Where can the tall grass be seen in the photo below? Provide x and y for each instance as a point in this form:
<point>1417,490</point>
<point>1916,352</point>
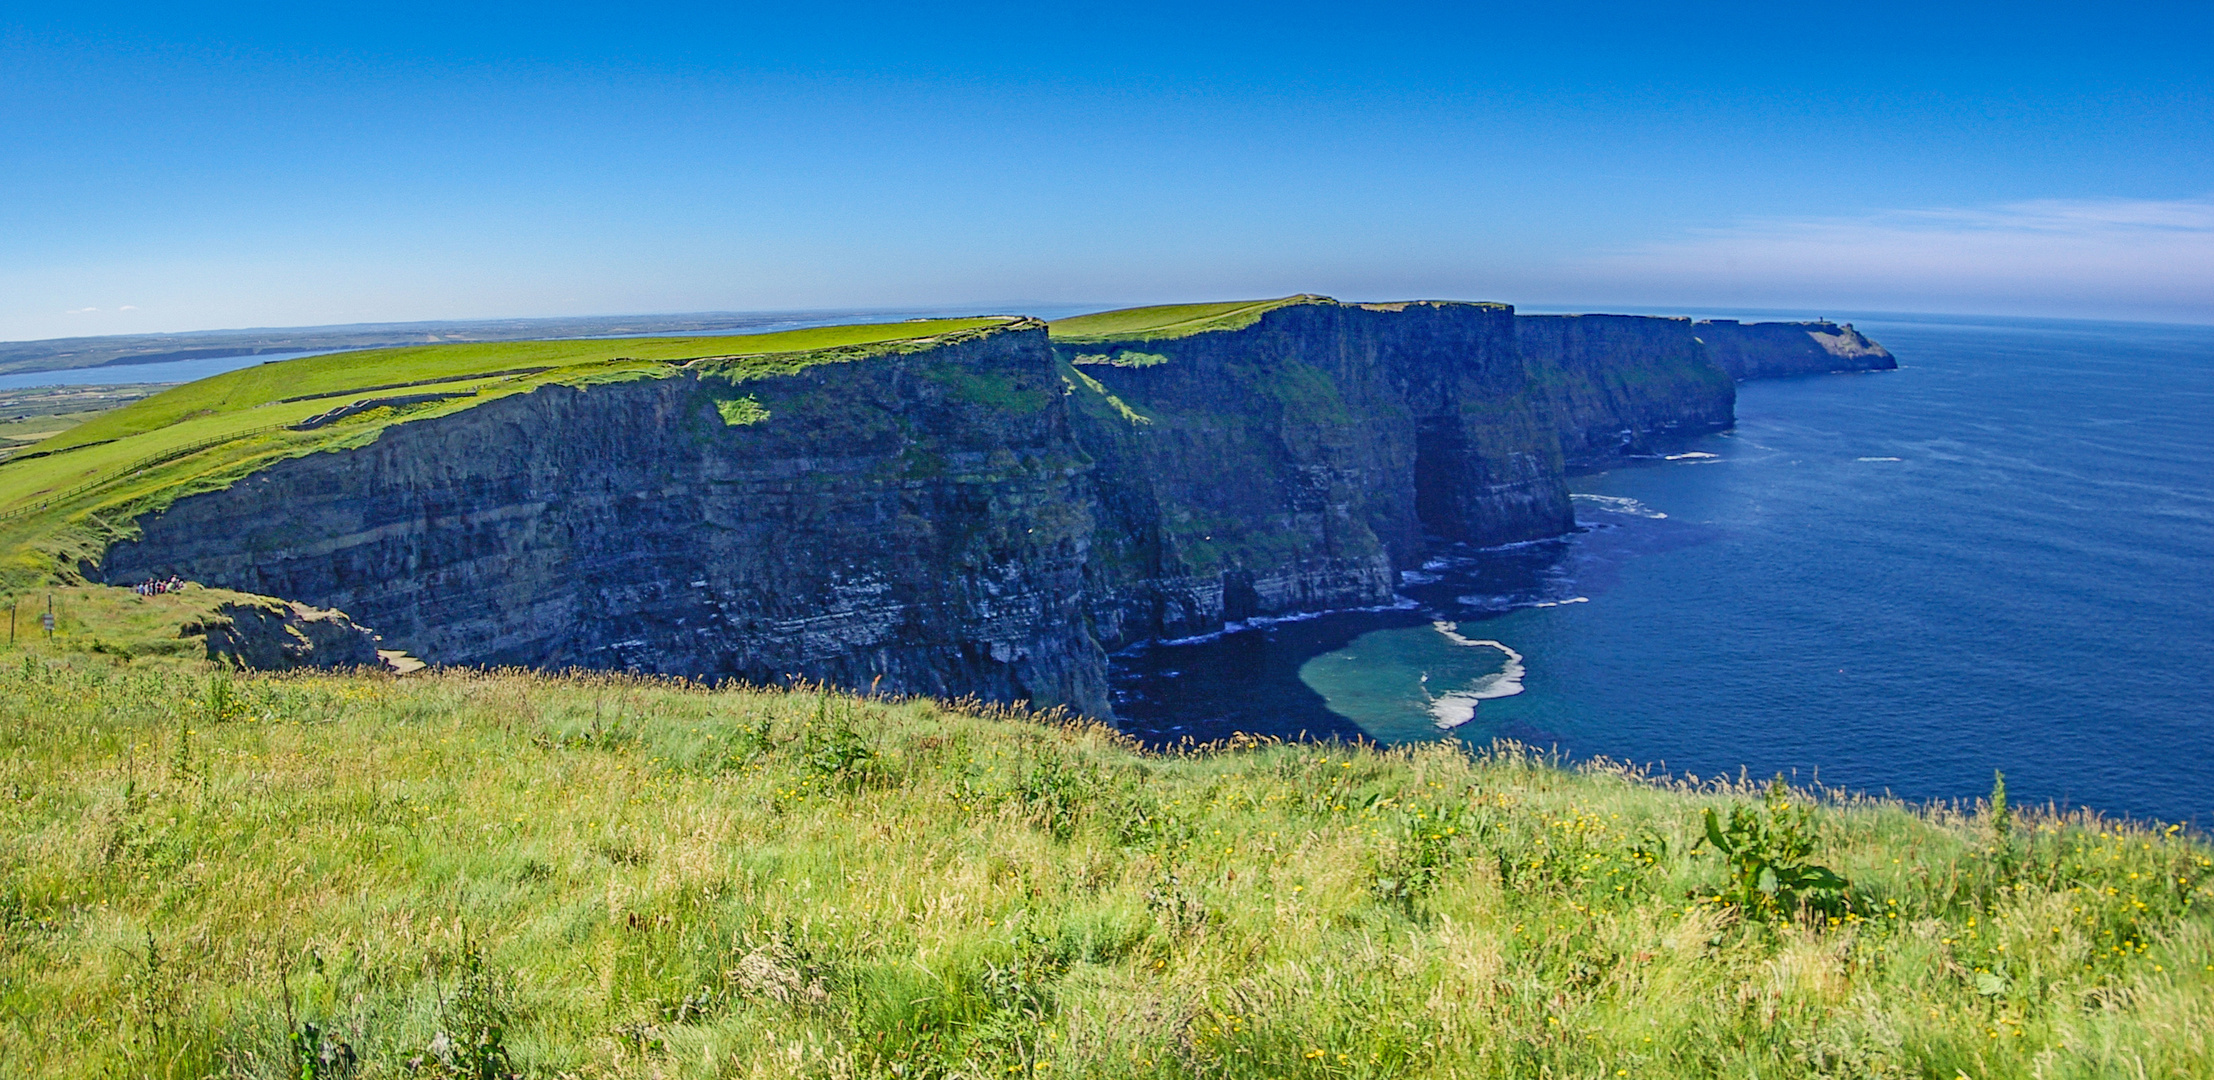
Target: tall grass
<point>501,873</point>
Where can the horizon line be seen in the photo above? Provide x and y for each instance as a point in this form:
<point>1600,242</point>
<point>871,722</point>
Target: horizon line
<point>1020,309</point>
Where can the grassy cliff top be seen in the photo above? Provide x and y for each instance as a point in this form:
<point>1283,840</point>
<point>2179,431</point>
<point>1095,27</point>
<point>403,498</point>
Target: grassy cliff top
<point>489,874</point>
<point>210,432</point>
<point>338,375</point>
<point>1171,320</point>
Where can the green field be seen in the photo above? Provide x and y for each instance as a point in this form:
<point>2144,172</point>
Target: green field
<point>56,499</point>
<point>1168,321</point>
<point>29,417</point>
<point>492,874</point>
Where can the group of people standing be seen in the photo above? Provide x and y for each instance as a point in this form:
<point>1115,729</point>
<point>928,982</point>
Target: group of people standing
<point>156,586</point>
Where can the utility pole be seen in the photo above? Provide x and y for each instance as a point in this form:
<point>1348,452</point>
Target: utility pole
<point>12,602</point>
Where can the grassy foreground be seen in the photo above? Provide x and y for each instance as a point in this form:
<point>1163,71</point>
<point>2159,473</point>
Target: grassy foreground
<point>490,874</point>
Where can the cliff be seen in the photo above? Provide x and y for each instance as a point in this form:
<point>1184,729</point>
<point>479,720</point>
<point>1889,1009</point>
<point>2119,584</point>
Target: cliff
<point>914,520</point>
<point>972,507</point>
<point>1296,458</point>
<point>266,634</point>
<point>1768,350</point>
<point>1614,384</point>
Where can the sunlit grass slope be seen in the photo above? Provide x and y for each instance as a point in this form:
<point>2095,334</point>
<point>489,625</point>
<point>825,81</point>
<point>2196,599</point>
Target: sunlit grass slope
<point>209,433</point>
<point>1169,320</point>
<point>494,874</point>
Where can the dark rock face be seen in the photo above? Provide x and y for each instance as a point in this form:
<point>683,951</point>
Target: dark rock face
<point>918,522</point>
<point>1297,464</point>
<point>1768,350</point>
<point>280,635</point>
<point>1615,383</point>
<point>984,516</point>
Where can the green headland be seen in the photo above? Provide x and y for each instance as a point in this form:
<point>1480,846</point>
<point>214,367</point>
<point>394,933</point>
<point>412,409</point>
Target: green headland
<point>62,497</point>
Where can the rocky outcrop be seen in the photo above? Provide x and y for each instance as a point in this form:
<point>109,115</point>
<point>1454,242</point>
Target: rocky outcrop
<point>1617,385</point>
<point>1298,463</point>
<point>276,635</point>
<point>1771,349</point>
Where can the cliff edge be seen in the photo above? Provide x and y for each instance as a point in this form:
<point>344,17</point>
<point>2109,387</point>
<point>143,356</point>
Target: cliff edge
<point>960,507</point>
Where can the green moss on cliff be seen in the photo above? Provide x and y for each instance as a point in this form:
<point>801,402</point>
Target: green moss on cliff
<point>738,412</point>
<point>1304,391</point>
<point>1092,396</point>
<point>992,389</point>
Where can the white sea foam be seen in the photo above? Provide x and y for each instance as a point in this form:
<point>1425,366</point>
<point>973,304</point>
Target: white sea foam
<point>1417,577</point>
<point>1879,459</point>
<point>1459,707</point>
<point>1557,603</point>
<point>1260,622</point>
<point>1618,504</point>
<point>1202,639</point>
<point>1452,710</point>
<point>1521,543</point>
<point>1694,456</point>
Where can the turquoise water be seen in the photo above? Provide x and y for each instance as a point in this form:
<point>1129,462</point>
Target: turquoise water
<point>2000,556</point>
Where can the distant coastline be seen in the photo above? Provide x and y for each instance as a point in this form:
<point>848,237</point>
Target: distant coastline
<point>69,354</point>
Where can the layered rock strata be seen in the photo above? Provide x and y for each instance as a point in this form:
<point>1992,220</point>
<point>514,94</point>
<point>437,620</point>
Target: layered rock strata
<point>1616,385</point>
<point>986,513</point>
<point>1298,463</point>
<point>918,522</point>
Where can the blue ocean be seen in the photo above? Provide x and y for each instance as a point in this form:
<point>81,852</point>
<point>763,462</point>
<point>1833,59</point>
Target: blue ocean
<point>1999,557</point>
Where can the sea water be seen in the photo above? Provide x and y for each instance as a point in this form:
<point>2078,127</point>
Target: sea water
<point>1999,557</point>
<point>173,371</point>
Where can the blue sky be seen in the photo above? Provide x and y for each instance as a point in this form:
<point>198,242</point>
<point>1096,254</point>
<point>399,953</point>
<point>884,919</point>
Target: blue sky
<point>185,167</point>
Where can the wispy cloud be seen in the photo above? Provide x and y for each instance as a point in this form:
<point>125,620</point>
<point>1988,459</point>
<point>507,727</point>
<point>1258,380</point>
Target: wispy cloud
<point>83,311</point>
<point>2147,256</point>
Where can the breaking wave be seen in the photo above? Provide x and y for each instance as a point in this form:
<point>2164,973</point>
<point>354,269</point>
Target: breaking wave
<point>1618,504</point>
<point>1459,707</point>
<point>1260,622</point>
